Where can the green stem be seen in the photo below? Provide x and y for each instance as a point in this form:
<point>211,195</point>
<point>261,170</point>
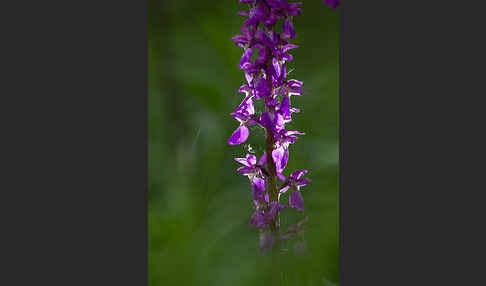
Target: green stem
<point>273,196</point>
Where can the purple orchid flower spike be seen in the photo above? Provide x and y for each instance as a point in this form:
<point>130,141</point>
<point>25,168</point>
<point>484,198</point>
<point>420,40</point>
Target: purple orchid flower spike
<point>266,78</point>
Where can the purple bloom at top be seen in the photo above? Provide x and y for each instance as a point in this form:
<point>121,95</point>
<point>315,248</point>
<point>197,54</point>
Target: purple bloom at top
<point>331,3</point>
<point>246,39</point>
<point>256,15</point>
<point>281,8</point>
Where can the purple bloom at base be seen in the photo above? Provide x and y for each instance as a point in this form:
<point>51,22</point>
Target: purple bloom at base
<point>300,248</point>
<point>298,226</point>
<point>258,189</point>
<point>296,201</point>
<point>262,219</point>
<point>274,208</point>
<point>267,240</point>
<point>331,3</point>
<point>258,219</point>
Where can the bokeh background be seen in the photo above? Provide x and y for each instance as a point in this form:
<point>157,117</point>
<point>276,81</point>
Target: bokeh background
<point>199,207</point>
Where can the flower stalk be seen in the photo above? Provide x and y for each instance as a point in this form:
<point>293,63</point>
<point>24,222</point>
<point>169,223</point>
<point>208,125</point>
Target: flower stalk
<point>266,80</point>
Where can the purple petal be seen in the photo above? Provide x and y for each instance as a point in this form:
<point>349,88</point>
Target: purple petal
<point>262,88</point>
<point>245,59</point>
<point>288,29</point>
<point>288,47</point>
<point>258,219</point>
<point>243,161</point>
<point>331,3</point>
<point>246,170</point>
<point>297,174</point>
<point>284,189</point>
<point>266,120</point>
<point>239,136</point>
<point>280,156</point>
<point>303,182</point>
<point>285,108</point>
<point>249,77</point>
<point>258,188</point>
<point>263,159</point>
<point>251,159</point>
<point>296,201</point>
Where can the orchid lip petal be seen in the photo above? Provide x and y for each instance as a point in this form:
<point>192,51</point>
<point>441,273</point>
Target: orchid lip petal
<point>239,136</point>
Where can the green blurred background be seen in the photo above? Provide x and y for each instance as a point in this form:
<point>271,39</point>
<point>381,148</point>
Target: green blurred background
<point>199,207</point>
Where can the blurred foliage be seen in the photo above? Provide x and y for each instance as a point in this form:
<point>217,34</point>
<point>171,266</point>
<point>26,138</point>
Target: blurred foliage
<point>199,207</point>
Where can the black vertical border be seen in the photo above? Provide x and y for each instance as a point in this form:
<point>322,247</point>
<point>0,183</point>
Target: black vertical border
<point>74,149</point>
<point>411,143</point>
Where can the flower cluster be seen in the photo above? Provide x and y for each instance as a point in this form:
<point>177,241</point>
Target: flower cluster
<point>265,54</point>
